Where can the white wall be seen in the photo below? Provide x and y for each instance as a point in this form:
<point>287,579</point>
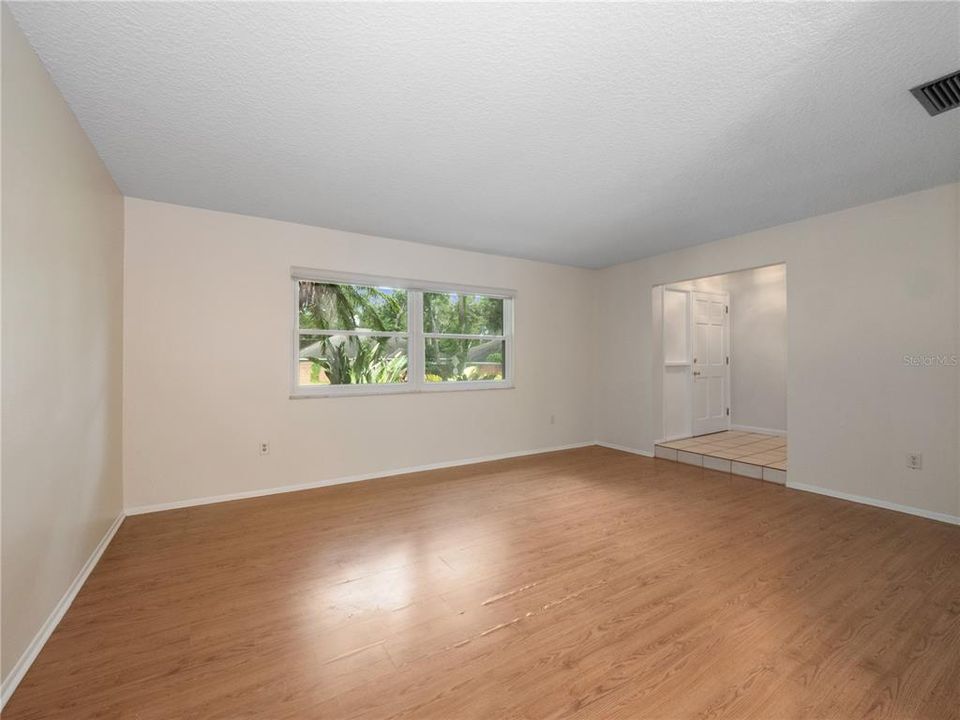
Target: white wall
<point>758,348</point>
<point>207,339</point>
<point>62,330</point>
<point>866,287</point>
<point>671,317</point>
<point>207,331</point>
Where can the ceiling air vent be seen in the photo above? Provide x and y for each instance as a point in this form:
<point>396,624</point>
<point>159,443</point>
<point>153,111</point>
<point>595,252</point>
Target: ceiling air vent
<point>940,95</point>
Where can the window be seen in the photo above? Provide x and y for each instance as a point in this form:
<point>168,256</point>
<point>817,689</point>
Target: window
<point>362,335</point>
<point>463,337</point>
<point>352,335</point>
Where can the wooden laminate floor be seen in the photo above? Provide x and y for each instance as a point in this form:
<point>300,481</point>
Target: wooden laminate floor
<point>587,583</point>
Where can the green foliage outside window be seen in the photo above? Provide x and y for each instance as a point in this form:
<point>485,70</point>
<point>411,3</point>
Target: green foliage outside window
<point>457,359</point>
<point>457,314</point>
<point>352,360</point>
<point>349,359</point>
<point>330,306</point>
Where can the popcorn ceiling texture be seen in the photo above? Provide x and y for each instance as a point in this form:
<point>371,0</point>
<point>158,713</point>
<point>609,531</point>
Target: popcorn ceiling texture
<point>587,134</point>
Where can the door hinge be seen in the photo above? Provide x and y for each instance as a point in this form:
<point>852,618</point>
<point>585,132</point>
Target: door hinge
<point>728,411</point>
<point>728,359</point>
<point>726,309</point>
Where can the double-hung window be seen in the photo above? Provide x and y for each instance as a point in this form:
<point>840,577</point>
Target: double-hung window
<point>365,335</point>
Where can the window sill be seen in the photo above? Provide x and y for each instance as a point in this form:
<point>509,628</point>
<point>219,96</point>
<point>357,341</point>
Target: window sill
<point>369,391</point>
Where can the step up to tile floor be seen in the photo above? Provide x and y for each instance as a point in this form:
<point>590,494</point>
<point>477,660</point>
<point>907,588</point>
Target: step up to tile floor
<point>755,455</point>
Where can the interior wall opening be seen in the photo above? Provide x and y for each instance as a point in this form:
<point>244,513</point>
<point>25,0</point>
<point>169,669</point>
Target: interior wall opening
<point>720,364</point>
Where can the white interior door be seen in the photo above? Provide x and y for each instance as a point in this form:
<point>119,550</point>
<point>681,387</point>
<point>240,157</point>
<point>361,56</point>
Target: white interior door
<point>710,333</point>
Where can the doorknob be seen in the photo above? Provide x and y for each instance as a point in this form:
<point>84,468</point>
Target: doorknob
<point>696,372</point>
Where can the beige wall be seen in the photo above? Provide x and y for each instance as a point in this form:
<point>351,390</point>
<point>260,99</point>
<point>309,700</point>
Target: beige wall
<point>62,331</point>
<point>758,331</point>
<point>866,287</point>
<point>207,329</point>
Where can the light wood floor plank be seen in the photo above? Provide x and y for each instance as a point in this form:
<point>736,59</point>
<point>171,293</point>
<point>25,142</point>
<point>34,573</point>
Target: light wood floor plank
<point>588,583</point>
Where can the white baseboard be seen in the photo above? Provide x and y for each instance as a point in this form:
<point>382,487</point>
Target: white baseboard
<point>192,502</point>
<point>16,673</point>
<point>624,448</point>
<point>670,438</point>
<point>908,509</point>
<point>765,431</point>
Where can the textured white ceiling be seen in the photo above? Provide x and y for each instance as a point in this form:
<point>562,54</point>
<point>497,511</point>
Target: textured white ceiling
<point>586,134</point>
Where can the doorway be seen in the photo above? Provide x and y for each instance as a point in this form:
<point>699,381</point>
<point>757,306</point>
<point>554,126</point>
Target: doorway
<point>720,362</point>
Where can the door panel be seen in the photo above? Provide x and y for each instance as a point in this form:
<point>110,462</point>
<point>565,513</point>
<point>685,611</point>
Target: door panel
<point>715,345</point>
<point>711,337</point>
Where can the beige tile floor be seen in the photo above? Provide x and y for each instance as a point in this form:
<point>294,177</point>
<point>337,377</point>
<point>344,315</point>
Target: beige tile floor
<point>744,447</point>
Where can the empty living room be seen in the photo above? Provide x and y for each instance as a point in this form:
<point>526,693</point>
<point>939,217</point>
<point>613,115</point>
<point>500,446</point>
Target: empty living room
<point>479,360</point>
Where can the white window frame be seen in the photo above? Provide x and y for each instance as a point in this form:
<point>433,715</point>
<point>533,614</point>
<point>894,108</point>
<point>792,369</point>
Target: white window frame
<point>416,382</point>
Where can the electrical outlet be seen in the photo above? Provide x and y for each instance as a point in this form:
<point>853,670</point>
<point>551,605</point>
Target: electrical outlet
<point>264,448</point>
<point>915,461</point>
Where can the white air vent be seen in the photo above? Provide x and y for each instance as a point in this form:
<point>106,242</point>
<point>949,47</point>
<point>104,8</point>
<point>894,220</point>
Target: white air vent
<point>940,95</point>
